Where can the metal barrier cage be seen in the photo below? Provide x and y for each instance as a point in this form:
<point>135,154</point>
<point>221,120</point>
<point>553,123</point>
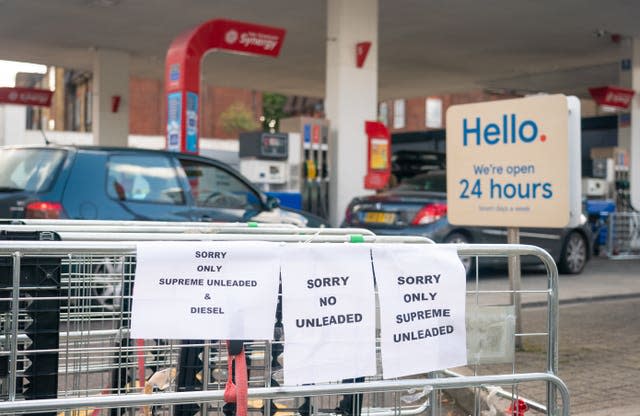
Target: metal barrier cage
<point>142,224</point>
<point>80,230</point>
<point>66,337</point>
<point>623,235</point>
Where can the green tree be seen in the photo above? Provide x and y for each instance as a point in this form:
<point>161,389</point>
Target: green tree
<point>272,110</point>
<point>237,118</point>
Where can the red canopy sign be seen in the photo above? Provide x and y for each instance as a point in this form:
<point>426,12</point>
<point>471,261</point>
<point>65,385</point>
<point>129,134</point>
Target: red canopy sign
<point>182,70</point>
<point>612,96</point>
<point>25,96</point>
<point>362,50</point>
<point>248,38</point>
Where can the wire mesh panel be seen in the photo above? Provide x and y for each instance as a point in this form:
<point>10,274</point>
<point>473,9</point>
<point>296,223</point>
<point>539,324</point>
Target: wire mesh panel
<point>505,339</point>
<point>623,235</point>
<point>65,309</point>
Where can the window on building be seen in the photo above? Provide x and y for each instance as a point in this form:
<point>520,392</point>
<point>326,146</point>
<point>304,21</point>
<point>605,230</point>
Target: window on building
<point>52,78</point>
<point>433,113</point>
<point>77,90</point>
<point>77,108</point>
<point>383,113</point>
<point>88,105</point>
<point>69,111</point>
<point>398,114</point>
<point>32,118</point>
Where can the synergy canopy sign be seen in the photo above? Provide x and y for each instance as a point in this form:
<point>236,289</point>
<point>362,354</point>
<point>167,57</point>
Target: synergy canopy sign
<point>508,162</point>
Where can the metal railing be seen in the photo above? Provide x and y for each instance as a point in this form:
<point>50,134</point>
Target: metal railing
<point>66,404</point>
<point>98,365</point>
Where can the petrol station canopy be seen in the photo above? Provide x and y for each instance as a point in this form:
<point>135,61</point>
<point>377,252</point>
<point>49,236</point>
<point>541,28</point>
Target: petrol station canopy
<point>424,46</point>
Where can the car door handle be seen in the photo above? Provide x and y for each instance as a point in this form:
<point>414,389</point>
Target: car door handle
<point>206,218</point>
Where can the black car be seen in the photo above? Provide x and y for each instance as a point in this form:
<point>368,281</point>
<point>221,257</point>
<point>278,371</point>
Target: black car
<point>418,206</point>
<point>109,183</point>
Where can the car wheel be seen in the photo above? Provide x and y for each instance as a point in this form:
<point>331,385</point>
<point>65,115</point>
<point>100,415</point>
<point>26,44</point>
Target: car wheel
<point>106,285</point>
<point>574,255</point>
<point>467,261</point>
<point>108,298</point>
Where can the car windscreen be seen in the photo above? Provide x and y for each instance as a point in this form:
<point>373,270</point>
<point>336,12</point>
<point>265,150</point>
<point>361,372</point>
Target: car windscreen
<point>429,182</point>
<point>31,170</point>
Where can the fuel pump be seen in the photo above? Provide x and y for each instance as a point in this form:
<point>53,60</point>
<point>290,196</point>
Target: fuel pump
<point>263,159</point>
<point>310,137</point>
<point>378,156</point>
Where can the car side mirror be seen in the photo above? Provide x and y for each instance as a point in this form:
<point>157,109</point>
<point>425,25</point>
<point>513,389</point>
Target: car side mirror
<point>272,202</point>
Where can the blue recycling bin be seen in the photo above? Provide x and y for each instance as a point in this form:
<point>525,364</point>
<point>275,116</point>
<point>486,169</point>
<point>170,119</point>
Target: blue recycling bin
<point>598,211</point>
<point>288,199</point>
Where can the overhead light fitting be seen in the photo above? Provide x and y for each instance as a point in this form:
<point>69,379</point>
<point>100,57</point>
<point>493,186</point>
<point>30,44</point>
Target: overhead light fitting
<point>604,33</point>
<point>600,33</point>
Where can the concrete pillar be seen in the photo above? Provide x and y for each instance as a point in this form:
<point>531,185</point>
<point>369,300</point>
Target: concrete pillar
<point>351,96</point>
<point>110,79</point>
<point>57,101</point>
<point>629,137</point>
<point>13,124</point>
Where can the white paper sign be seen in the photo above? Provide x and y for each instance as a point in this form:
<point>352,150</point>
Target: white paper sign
<point>205,290</point>
<point>422,308</point>
<point>328,308</point>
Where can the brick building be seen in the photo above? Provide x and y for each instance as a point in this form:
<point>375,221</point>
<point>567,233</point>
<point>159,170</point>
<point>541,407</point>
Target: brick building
<point>71,108</point>
<point>427,113</point>
<point>148,108</point>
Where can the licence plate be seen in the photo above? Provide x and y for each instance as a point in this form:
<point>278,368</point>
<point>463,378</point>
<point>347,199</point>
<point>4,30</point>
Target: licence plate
<point>380,217</point>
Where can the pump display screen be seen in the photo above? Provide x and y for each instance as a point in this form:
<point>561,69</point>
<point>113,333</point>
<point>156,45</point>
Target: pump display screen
<point>274,145</point>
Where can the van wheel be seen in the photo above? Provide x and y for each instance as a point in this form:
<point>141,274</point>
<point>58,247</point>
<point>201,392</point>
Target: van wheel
<point>468,262</point>
<point>574,254</point>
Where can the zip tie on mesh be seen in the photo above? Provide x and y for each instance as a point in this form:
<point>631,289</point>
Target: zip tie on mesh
<point>237,392</point>
<point>314,235</point>
<point>356,238</point>
<point>518,408</point>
